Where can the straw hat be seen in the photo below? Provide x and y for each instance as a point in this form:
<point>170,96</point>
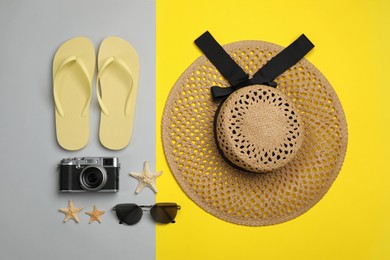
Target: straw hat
<point>262,154</point>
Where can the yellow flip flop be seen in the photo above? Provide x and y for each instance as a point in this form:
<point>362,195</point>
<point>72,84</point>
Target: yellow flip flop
<point>117,84</point>
<point>73,69</point>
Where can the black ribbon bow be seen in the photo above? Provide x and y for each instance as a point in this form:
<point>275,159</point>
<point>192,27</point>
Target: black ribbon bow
<point>237,77</point>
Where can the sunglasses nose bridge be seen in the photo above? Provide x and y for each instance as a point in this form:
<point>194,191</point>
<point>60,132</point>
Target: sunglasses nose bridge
<point>146,207</point>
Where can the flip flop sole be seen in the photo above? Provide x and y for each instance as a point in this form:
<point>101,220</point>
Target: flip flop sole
<point>118,90</point>
<point>73,69</point>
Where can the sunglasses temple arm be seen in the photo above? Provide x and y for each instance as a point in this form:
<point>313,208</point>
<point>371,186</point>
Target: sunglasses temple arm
<point>148,207</point>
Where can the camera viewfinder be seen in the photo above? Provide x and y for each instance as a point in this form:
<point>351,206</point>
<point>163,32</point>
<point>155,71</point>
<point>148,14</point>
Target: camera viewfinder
<point>108,162</point>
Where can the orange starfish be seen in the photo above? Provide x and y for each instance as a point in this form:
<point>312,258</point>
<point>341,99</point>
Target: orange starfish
<point>95,215</point>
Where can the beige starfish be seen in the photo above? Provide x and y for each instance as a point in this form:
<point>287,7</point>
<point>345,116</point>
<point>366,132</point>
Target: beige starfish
<point>95,215</point>
<point>71,212</point>
<point>146,178</point>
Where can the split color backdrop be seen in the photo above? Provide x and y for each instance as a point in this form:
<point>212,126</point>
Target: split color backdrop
<point>352,50</point>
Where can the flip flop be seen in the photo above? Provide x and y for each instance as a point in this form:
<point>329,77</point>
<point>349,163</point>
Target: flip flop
<point>117,84</point>
<point>73,69</point>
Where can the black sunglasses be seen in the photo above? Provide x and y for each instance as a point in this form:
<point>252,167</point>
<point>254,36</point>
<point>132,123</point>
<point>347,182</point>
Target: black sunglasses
<point>130,214</point>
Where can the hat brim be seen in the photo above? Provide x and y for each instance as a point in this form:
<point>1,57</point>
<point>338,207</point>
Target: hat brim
<point>241,197</point>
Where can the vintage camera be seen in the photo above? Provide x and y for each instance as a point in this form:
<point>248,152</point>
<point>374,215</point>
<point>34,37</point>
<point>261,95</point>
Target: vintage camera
<point>89,174</point>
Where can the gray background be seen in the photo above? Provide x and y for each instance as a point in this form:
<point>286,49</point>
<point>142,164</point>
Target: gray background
<point>30,225</point>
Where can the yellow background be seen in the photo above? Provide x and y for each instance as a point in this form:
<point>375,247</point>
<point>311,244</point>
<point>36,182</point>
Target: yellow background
<point>352,50</point>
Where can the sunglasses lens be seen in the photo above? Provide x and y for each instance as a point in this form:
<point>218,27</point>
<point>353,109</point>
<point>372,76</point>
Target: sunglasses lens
<point>128,214</point>
<point>164,213</point>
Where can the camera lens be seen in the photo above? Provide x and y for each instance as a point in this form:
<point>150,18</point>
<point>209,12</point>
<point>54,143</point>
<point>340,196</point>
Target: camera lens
<point>93,178</point>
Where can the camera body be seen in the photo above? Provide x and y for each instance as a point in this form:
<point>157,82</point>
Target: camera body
<point>85,174</point>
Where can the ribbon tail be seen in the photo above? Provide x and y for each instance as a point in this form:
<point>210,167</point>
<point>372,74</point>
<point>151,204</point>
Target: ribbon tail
<point>218,92</point>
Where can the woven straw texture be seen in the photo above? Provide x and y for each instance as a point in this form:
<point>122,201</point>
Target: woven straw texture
<point>257,129</point>
<point>238,196</point>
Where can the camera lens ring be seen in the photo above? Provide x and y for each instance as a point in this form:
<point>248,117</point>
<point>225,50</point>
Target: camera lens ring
<point>85,174</point>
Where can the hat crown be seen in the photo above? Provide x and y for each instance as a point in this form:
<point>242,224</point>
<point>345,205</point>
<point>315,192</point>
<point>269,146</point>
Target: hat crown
<point>258,129</point>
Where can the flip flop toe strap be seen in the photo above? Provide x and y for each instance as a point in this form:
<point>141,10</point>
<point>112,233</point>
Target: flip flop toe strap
<point>68,61</point>
<point>110,61</point>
